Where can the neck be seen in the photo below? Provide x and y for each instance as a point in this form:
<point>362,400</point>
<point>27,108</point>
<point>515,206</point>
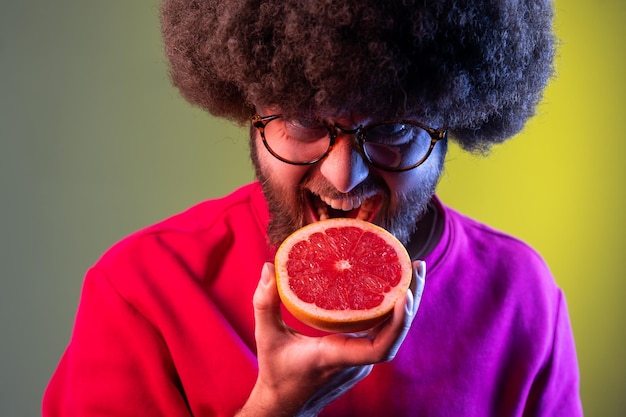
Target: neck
<point>428,233</point>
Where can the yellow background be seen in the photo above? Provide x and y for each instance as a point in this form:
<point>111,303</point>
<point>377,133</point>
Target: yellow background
<point>96,144</point>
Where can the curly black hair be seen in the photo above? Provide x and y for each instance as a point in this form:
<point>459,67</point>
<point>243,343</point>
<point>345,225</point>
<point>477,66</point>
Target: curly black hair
<point>475,67</point>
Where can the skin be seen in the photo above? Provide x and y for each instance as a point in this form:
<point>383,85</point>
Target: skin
<point>344,175</point>
<point>300,375</point>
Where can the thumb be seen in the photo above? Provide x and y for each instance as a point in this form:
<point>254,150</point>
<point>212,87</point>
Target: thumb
<point>266,302</point>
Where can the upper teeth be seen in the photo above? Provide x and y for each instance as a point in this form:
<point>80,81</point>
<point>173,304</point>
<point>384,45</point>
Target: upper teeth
<point>345,204</point>
<point>366,206</point>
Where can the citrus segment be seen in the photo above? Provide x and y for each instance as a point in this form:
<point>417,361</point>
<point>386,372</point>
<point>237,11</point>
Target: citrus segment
<point>341,274</point>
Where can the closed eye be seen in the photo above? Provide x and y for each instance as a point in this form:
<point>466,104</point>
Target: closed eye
<point>394,134</point>
<point>304,130</point>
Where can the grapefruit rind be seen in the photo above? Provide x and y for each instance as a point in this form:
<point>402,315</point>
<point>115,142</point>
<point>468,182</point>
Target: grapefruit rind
<point>345,320</point>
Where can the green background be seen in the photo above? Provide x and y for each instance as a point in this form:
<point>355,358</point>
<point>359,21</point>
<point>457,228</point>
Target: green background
<point>95,144</point>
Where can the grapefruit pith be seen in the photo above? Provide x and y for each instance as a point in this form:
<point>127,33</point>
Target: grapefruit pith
<point>341,275</point>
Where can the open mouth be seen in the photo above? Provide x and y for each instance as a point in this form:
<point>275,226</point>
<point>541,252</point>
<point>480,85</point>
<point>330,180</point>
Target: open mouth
<point>362,208</point>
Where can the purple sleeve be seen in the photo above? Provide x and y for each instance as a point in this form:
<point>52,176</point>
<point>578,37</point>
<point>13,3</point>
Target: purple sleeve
<point>556,391</point>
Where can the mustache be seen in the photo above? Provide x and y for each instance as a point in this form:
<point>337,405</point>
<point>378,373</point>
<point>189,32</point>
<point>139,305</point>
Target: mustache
<point>323,187</point>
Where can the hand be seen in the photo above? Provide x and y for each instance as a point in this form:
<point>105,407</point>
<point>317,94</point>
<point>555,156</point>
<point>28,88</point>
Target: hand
<point>300,375</point>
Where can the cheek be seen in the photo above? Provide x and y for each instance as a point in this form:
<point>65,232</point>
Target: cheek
<point>402,182</point>
<point>422,178</point>
<point>282,176</point>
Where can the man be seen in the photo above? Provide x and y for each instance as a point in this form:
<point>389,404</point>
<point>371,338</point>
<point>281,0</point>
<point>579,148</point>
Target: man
<point>350,106</point>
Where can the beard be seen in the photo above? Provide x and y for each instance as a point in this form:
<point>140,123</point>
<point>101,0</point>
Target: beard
<point>399,212</point>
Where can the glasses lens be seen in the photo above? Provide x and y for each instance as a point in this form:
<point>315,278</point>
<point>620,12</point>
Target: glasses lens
<point>298,141</point>
<point>396,145</point>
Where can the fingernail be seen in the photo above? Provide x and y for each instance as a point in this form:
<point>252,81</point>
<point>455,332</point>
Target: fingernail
<point>421,269</point>
<point>266,273</point>
<point>409,303</point>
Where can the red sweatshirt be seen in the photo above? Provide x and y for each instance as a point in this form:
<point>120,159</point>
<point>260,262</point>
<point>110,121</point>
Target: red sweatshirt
<point>165,327</point>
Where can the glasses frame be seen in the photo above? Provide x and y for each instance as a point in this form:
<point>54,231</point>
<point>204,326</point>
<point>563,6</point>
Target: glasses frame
<point>260,122</point>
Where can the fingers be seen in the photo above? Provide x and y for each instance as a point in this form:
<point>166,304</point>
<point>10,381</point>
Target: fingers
<point>417,285</point>
<point>383,343</point>
<point>405,309</point>
<point>379,345</point>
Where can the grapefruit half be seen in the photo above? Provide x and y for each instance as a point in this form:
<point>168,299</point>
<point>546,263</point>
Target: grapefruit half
<point>342,274</point>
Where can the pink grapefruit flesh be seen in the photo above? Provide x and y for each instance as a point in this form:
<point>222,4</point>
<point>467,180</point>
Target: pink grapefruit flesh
<point>342,275</point>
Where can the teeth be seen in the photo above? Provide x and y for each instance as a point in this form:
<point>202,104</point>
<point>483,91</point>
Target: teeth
<point>321,209</point>
<point>322,213</point>
<point>345,204</point>
<point>366,207</point>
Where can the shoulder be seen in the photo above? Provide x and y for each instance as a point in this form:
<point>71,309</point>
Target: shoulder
<point>480,260</point>
<point>480,241</point>
<point>191,240</point>
<point>497,277</point>
<point>247,200</point>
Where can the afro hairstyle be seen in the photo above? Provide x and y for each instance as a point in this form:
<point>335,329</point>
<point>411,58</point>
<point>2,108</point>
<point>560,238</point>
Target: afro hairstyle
<point>475,67</point>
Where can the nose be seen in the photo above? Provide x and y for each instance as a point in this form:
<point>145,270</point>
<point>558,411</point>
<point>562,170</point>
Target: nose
<point>344,167</point>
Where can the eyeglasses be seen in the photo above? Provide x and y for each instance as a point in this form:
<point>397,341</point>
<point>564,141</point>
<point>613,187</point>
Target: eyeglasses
<point>396,146</point>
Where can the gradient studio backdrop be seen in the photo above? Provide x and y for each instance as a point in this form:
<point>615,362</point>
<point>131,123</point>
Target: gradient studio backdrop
<point>96,144</point>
